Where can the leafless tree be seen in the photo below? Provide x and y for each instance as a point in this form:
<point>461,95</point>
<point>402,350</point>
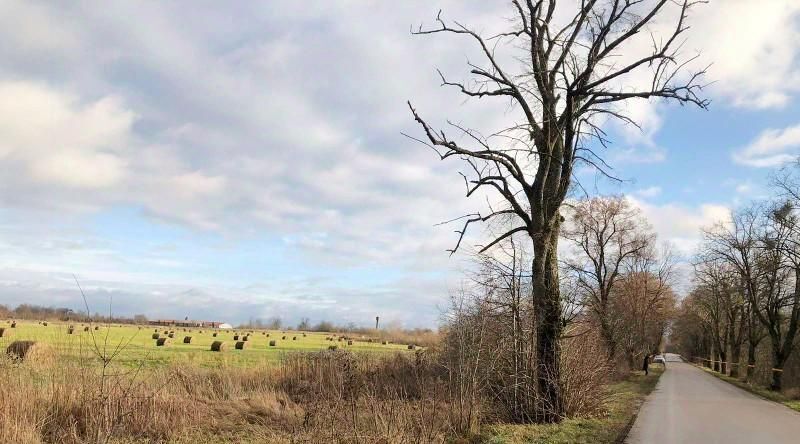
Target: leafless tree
<point>759,244</point>
<point>607,234</point>
<point>565,78</point>
<point>723,304</point>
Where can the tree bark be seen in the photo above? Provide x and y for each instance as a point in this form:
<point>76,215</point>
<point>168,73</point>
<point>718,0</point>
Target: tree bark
<point>547,300</point>
<point>751,361</point>
<point>736,356</point>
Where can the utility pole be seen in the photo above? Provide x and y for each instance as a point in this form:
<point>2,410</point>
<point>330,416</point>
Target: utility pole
<point>377,319</point>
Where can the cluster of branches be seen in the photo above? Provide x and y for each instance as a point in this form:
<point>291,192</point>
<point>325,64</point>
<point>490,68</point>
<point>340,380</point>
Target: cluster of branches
<point>748,283</point>
<point>616,305</point>
<point>620,279</point>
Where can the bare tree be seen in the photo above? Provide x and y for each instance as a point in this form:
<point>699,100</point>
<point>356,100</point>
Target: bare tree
<point>758,243</point>
<point>563,80</point>
<point>608,234</point>
<point>722,301</point>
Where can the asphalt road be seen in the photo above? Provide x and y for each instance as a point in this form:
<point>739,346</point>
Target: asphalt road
<point>691,406</point>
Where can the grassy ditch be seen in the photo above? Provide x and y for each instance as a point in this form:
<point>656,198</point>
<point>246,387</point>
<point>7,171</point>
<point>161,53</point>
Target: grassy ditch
<point>623,403</point>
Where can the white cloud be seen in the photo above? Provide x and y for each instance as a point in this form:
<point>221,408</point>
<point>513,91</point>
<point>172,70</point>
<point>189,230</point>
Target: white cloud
<point>681,225</point>
<point>754,47</point>
<point>648,192</point>
<point>60,141</point>
<point>773,147</point>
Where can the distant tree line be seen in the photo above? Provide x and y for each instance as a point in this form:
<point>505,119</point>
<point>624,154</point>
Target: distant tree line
<point>40,312</point>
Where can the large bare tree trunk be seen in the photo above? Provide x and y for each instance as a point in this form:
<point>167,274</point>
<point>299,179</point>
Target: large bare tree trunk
<point>547,299</point>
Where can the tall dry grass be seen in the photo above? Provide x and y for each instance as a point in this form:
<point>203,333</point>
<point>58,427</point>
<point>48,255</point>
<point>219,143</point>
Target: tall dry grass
<point>333,397</point>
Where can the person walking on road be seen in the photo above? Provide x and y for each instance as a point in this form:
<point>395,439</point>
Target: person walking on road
<point>646,364</point>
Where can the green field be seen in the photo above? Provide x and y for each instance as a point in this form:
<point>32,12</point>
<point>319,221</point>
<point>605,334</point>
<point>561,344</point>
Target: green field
<point>134,346</point>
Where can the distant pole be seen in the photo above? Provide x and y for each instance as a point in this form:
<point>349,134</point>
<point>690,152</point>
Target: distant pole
<point>377,319</point>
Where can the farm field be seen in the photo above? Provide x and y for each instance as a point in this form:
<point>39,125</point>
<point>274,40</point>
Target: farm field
<point>134,345</point>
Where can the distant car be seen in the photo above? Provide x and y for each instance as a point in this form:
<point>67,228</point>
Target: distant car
<point>659,359</point>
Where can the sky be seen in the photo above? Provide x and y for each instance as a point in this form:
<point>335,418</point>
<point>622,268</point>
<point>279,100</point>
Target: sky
<point>240,161</point>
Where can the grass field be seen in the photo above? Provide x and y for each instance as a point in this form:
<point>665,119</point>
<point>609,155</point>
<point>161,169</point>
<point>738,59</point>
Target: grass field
<point>137,347</point>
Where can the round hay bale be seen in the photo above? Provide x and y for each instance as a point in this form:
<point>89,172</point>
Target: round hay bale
<point>304,335</point>
<point>349,342</point>
<point>96,327</point>
<point>263,333</point>
<point>171,335</point>
<point>187,339</point>
<point>156,335</point>
<point>14,324</point>
<point>267,334</point>
<point>340,339</point>
<point>166,332</point>
<point>333,347</point>
<point>218,346</point>
<point>246,338</point>
<point>30,352</point>
<point>70,331</point>
<point>240,345</point>
<point>85,328</point>
<point>411,346</point>
<point>155,330</point>
<point>273,343</point>
<point>4,332</point>
<point>385,342</point>
<point>294,338</point>
<point>162,342</point>
<point>283,337</point>
<point>235,337</point>
<point>44,323</point>
<point>214,335</point>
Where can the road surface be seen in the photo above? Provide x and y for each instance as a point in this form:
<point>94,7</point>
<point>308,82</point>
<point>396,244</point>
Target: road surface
<point>691,406</point>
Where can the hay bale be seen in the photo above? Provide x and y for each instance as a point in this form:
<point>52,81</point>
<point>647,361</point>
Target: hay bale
<point>263,333</point>
<point>218,346</point>
<point>304,335</point>
<point>155,330</point>
<point>14,324</point>
<point>283,337</point>
<point>235,337</point>
<point>171,335</point>
<point>85,328</point>
<point>96,327</point>
<point>214,335</point>
<point>30,352</point>
<point>411,346</point>
<point>187,339</point>
<point>385,342</point>
<point>162,342</point>
<point>44,323</point>
<point>349,342</point>
<point>70,331</point>
<point>156,335</point>
<point>333,347</point>
<point>241,345</point>
<point>273,343</point>
<point>294,338</point>
<point>166,332</point>
<point>246,338</point>
<point>4,332</point>
<point>267,334</point>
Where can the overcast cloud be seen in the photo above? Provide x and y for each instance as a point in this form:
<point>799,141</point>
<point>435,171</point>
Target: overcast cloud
<point>248,160</point>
